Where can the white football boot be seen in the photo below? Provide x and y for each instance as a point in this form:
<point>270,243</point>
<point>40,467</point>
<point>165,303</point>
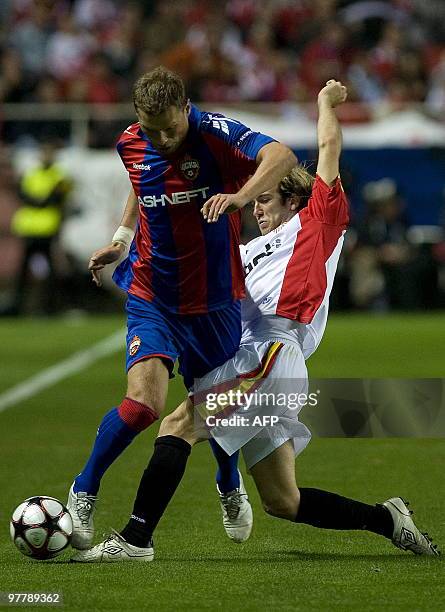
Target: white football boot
<point>81,506</point>
<point>406,535</point>
<point>112,550</point>
<point>237,512</point>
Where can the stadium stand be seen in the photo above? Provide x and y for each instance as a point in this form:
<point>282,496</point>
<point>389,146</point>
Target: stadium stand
<point>67,68</point>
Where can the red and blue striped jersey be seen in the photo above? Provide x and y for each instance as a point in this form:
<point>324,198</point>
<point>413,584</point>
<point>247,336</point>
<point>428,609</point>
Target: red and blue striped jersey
<point>177,259</point>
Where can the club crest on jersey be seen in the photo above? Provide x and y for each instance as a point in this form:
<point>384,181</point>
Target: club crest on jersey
<point>134,345</point>
<point>190,168</point>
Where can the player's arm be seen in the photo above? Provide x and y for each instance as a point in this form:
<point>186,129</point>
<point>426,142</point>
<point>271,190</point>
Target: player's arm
<point>131,211</point>
<point>329,131</point>
<point>120,241</point>
<point>274,161</point>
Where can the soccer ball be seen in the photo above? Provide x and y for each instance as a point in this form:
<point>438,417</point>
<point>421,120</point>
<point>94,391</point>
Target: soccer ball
<point>41,527</point>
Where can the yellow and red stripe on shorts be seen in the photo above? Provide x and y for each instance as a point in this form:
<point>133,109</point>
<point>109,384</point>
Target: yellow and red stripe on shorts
<point>245,383</point>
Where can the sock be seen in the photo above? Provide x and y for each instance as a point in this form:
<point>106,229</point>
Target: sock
<point>158,484</point>
<point>117,430</point>
<point>331,511</point>
<point>227,475</point>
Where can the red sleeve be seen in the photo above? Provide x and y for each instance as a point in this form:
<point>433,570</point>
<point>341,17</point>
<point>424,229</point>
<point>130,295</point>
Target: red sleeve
<point>130,134</point>
<point>328,204</point>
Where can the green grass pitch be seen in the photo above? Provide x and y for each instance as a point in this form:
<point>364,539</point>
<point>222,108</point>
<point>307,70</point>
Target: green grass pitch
<point>284,566</point>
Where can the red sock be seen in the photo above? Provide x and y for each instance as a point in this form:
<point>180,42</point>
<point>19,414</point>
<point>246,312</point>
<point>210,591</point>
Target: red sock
<point>136,415</point>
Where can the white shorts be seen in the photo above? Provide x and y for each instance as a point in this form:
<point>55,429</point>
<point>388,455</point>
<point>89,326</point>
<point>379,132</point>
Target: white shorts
<point>252,401</point>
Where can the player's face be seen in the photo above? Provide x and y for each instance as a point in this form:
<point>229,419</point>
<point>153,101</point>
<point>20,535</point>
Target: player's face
<point>166,131</point>
<point>270,211</point>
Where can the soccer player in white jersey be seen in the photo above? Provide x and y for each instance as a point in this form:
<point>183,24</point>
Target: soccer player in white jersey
<point>290,270</point>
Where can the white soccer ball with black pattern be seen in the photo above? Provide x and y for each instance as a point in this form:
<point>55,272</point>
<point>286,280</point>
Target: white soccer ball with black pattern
<point>41,527</point>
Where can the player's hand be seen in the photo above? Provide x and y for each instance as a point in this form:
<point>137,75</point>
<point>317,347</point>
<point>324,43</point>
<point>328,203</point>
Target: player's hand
<point>219,204</point>
<point>101,258</point>
<point>334,93</point>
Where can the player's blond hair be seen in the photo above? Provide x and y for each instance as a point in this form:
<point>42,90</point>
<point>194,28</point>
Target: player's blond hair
<point>157,90</point>
<point>298,183</point>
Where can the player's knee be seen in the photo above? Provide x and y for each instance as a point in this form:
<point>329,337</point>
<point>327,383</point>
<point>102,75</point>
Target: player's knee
<point>285,507</point>
<point>139,394</point>
<point>136,415</point>
<point>172,425</point>
<point>147,384</point>
<point>180,424</point>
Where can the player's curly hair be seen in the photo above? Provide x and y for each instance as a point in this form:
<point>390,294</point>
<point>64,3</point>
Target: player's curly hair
<point>299,183</point>
<point>157,90</point>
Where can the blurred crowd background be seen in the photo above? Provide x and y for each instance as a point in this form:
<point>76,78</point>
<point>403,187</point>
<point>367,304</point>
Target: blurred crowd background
<point>60,57</point>
<point>238,50</point>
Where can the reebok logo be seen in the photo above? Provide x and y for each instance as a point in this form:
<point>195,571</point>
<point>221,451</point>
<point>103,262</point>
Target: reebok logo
<point>141,166</point>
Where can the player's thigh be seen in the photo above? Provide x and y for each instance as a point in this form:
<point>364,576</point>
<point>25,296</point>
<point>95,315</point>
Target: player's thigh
<point>181,424</point>
<point>148,383</point>
<point>151,353</point>
<point>274,478</point>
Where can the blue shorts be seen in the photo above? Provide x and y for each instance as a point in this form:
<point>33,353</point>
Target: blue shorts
<point>199,342</point>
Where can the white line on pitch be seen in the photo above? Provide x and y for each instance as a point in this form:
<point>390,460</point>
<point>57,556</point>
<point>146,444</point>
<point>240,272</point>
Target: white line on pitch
<point>52,375</point>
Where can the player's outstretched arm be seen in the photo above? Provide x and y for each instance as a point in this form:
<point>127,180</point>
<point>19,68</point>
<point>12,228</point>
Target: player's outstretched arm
<point>120,241</point>
<point>274,161</point>
<point>329,131</point>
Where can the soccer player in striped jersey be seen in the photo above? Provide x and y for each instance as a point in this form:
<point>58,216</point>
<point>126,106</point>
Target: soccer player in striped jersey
<point>290,270</point>
<point>183,277</point>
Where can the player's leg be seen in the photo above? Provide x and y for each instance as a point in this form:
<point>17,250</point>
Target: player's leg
<point>181,423</point>
<point>159,482</point>
<point>210,341</point>
<point>148,382</point>
<point>213,340</point>
<point>163,474</point>
<point>150,356</point>
<point>274,478</point>
<point>142,405</point>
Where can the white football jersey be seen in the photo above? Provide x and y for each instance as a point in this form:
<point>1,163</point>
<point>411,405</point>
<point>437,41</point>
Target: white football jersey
<point>290,271</point>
